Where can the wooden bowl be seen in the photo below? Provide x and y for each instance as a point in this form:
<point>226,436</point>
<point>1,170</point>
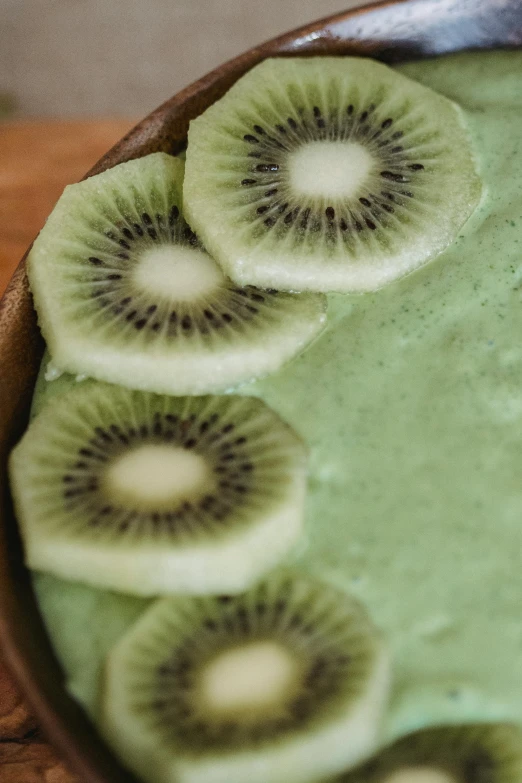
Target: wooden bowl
<point>390,31</point>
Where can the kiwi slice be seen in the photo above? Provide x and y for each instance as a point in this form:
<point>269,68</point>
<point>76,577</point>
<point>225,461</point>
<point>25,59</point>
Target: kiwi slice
<point>328,174</point>
<point>149,494</point>
<point>285,683</point>
<point>475,753</point>
<point>126,293</point>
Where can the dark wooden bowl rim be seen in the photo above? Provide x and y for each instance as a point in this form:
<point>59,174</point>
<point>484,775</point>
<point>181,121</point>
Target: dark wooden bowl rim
<point>391,31</point>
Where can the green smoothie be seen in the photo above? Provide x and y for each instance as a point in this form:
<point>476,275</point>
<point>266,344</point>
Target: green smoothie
<point>411,403</point>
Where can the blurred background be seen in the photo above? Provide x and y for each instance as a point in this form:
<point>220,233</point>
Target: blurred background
<point>124,57</point>
<point>75,75</point>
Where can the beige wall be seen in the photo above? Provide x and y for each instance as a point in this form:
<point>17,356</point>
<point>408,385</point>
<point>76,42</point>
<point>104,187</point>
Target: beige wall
<point>124,57</point>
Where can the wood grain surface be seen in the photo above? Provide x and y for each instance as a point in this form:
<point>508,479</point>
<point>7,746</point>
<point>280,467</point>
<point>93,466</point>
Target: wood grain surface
<point>37,159</point>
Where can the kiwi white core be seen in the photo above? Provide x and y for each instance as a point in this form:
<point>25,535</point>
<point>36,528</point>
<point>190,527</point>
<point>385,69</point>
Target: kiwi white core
<point>252,678</point>
<point>154,474</point>
<point>418,774</point>
<point>329,169</point>
<point>177,272</point>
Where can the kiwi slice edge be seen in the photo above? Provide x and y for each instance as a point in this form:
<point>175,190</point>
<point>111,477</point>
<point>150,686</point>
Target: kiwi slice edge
<point>464,753</point>
<point>150,494</point>
<point>125,292</point>
<point>144,682</point>
<point>422,188</point>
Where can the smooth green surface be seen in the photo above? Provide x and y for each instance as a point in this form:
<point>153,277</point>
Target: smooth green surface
<point>411,402</point>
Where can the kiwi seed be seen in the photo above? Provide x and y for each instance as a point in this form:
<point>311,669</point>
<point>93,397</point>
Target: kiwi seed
<point>126,293</point>
<point>328,174</point>
<point>149,494</point>
<point>284,682</point>
<point>474,753</point>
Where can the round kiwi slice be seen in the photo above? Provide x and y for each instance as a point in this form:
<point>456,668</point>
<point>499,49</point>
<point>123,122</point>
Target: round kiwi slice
<point>475,753</point>
<point>328,174</point>
<point>126,293</point>
<point>150,495</point>
<point>286,682</point>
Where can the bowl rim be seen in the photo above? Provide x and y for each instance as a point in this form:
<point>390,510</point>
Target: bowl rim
<point>354,31</point>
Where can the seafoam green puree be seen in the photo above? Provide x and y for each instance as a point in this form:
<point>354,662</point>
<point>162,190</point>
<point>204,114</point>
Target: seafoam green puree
<point>411,402</point>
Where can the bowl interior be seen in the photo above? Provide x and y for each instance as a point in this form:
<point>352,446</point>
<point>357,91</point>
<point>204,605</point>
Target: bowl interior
<point>390,31</point>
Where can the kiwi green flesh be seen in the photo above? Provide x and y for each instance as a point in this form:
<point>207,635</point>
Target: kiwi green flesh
<point>474,753</point>
<point>126,293</point>
<point>155,683</point>
<point>223,477</point>
<point>328,174</point>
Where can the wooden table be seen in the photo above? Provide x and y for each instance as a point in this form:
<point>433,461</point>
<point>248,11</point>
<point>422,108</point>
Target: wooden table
<point>37,159</point>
